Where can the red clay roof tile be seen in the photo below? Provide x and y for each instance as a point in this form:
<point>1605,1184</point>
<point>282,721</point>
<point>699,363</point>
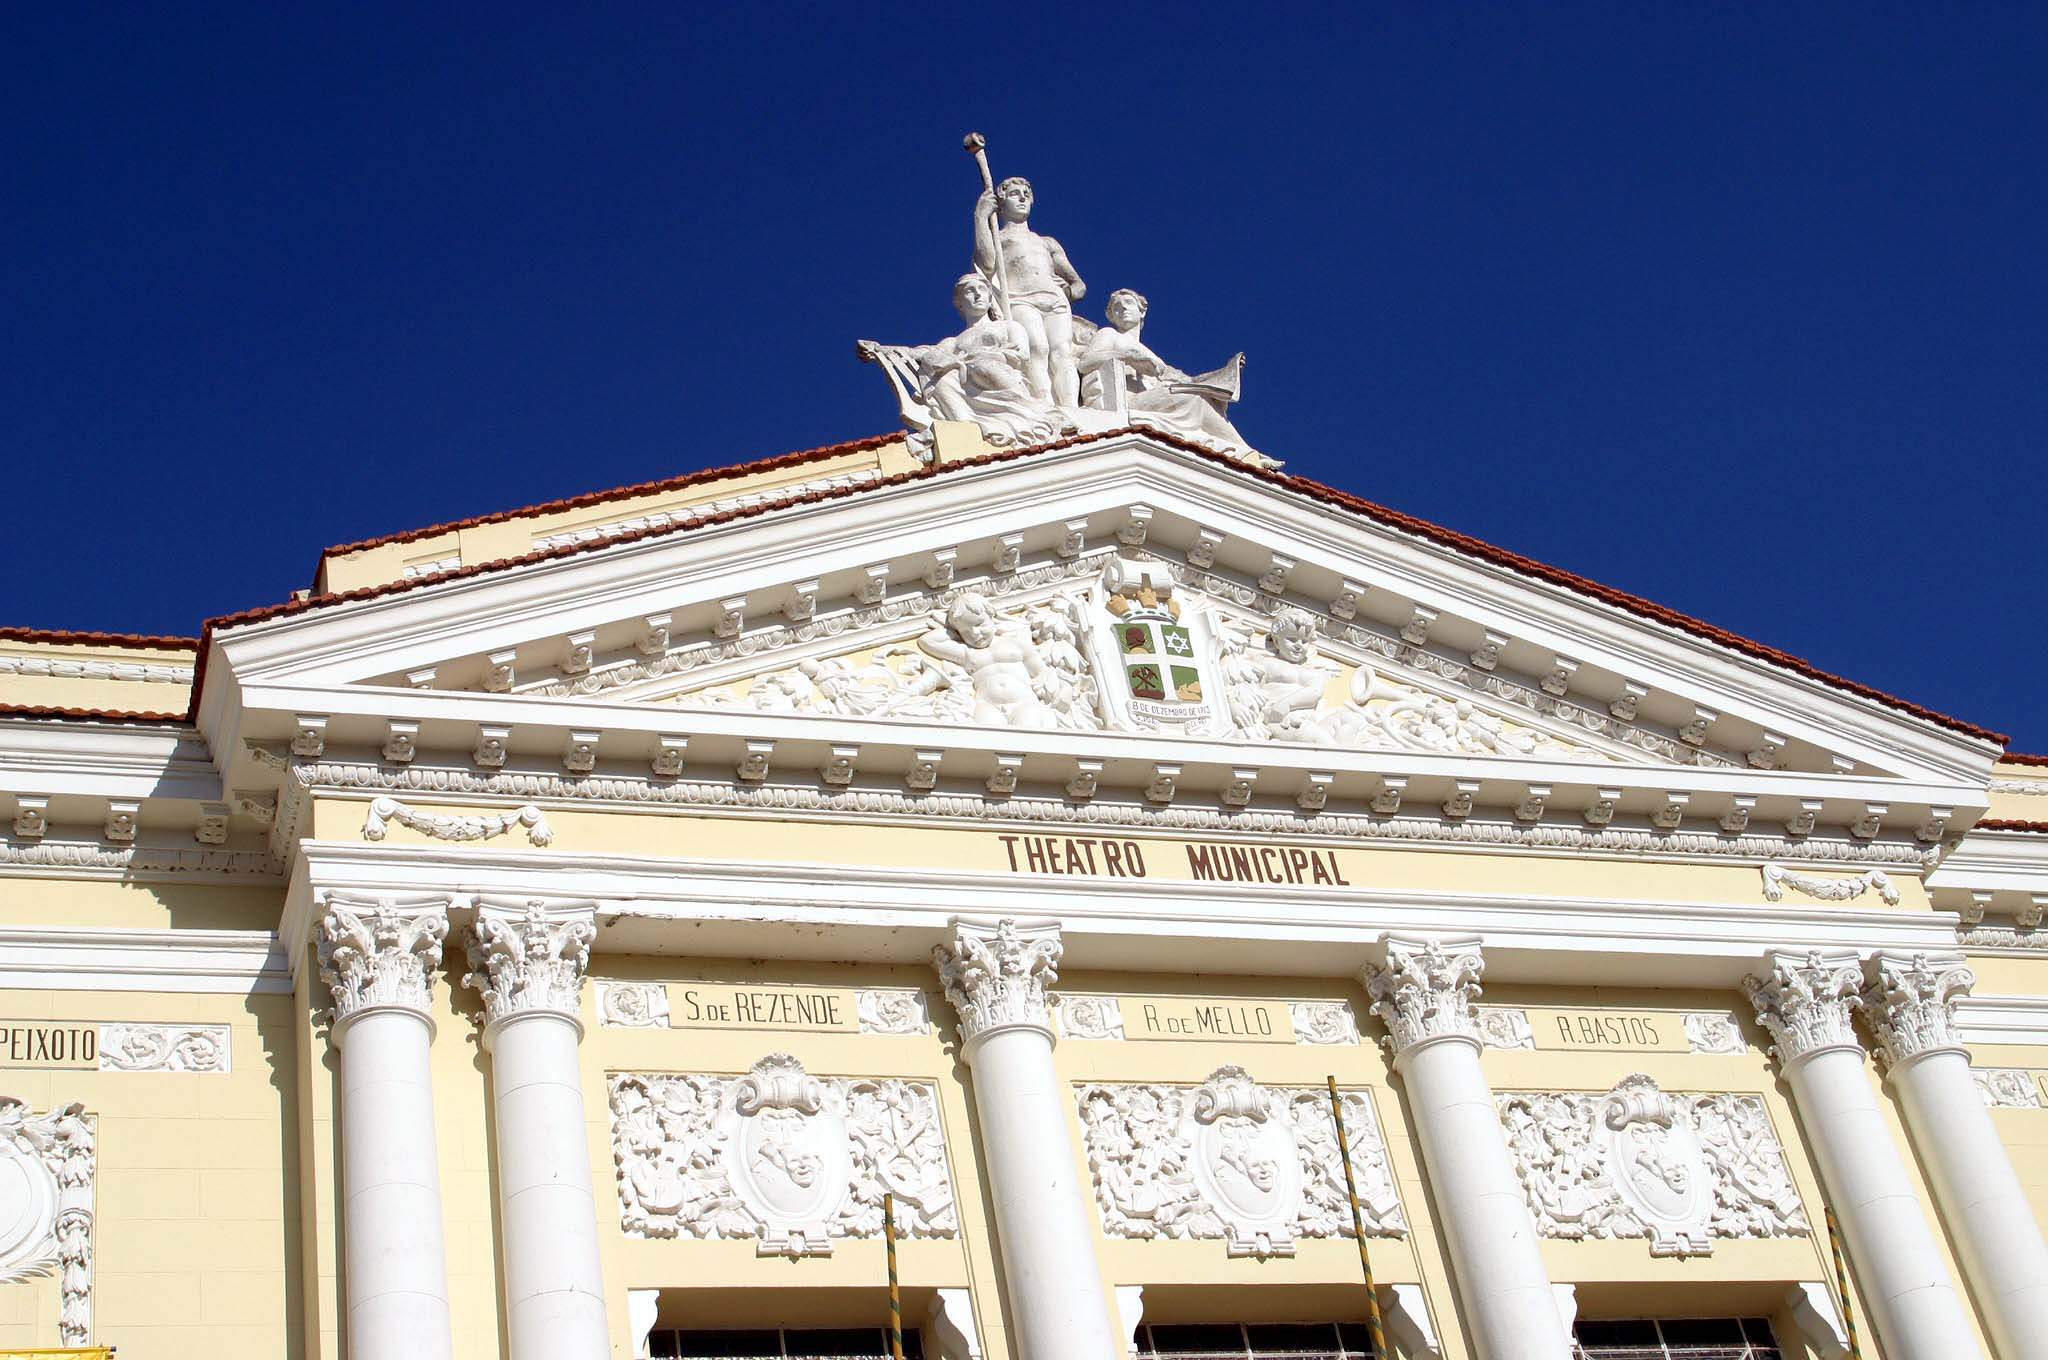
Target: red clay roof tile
<point>68,637</point>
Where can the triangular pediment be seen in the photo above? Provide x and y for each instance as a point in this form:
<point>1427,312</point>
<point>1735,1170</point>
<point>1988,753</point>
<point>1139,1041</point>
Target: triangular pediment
<point>1120,587</point>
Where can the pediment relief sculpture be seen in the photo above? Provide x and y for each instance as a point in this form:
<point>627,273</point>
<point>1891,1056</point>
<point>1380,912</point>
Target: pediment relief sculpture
<point>788,1159</point>
<point>1026,368</point>
<point>1135,652</point>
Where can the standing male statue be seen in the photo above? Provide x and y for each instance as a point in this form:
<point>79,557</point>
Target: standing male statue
<point>1042,287</point>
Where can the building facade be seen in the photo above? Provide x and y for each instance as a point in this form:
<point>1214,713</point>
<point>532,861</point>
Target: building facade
<point>569,933</point>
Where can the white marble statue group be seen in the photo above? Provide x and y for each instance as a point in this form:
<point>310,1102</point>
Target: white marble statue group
<point>1026,369</point>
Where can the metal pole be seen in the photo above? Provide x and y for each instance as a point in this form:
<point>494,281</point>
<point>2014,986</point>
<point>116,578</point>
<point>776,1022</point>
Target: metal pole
<point>977,146</point>
<point>1375,1328</point>
<point>895,1298</point>
<point>1842,1284</point>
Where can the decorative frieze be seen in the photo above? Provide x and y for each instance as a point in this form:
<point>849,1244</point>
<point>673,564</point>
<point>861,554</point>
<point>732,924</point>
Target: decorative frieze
<point>1637,1162</point>
<point>790,1160</point>
<point>2008,1088</point>
<point>1323,1022</point>
<point>380,952</point>
<point>893,1010</point>
<point>530,958</point>
<point>632,1005</point>
<point>1505,1027</point>
<point>1574,1030</point>
<point>1805,1002</point>
<point>1091,1017</point>
<point>1777,878</point>
<point>1426,990</point>
<point>165,1048</point>
<point>1714,1032</point>
<point>996,976</point>
<point>443,827</point>
<point>1911,1006</point>
<point>867,804</point>
<point>1231,1159</point>
<point>49,1167</point>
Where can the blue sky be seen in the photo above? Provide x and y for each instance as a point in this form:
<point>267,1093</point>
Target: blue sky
<point>1740,308</point>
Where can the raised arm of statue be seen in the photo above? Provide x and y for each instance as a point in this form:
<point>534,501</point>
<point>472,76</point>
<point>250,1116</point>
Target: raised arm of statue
<point>985,233</point>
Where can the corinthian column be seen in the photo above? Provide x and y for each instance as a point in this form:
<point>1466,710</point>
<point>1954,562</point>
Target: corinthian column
<point>529,962</point>
<point>377,958</point>
<point>1805,1002</point>
<point>996,976</point>
<point>1425,992</point>
<point>1912,1013</point>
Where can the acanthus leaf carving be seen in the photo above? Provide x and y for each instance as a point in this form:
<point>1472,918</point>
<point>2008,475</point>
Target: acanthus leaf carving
<point>49,1164</point>
<point>997,976</point>
<point>380,952</point>
<point>1805,1002</point>
<point>164,1048</point>
<point>1638,1162</point>
<point>1257,1167</point>
<point>530,958</point>
<point>1427,990</point>
<point>1911,1005</point>
<point>893,1010</point>
<point>790,1160</point>
<point>632,1005</point>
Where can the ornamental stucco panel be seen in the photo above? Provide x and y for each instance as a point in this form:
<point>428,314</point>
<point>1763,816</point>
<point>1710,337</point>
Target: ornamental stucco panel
<point>790,1160</point>
<point>1255,1166</point>
<point>1679,1169</point>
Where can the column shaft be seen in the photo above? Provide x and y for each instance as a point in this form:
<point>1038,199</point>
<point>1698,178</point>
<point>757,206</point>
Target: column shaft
<point>377,957</point>
<point>554,1288</point>
<point>1981,1200</point>
<point>996,976</point>
<point>1805,1002</point>
<point>529,962</point>
<point>1425,993</point>
<point>1910,1005</point>
<point>396,1262</point>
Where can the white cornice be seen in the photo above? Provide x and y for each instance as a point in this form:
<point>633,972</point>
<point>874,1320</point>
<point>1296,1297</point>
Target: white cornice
<point>349,641</point>
<point>1995,861</point>
<point>237,962</point>
<point>105,760</point>
<point>2003,1019</point>
<point>713,909</point>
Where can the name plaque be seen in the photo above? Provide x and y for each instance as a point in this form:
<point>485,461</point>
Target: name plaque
<point>1565,1029</point>
<point>1222,1019</point>
<point>763,1005</point>
<point>51,1045</point>
<point>1196,861</point>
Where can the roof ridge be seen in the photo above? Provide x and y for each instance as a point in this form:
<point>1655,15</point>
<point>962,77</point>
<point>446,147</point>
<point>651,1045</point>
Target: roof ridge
<point>86,637</point>
<point>1451,538</point>
<point>621,493</point>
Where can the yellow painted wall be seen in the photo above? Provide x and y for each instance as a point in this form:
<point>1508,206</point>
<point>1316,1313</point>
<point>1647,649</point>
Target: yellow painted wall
<point>81,691</point>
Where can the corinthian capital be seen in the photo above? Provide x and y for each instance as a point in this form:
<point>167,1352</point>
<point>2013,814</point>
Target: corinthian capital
<point>1805,1001</point>
<point>1911,1007</point>
<point>996,975</point>
<point>530,957</point>
<point>380,953</point>
<point>1426,990</point>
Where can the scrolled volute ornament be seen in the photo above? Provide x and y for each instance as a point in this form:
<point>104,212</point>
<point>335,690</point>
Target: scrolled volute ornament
<point>997,976</point>
<point>778,1082</point>
<point>380,953</point>
<point>1911,1005</point>
<point>531,958</point>
<point>1427,990</point>
<point>1230,1093</point>
<point>1805,1002</point>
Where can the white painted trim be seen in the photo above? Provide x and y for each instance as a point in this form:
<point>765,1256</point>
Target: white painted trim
<point>231,962</point>
<point>107,760</point>
<point>2001,861</point>
<point>352,641</point>
<point>712,908</point>
<point>1986,1019</point>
